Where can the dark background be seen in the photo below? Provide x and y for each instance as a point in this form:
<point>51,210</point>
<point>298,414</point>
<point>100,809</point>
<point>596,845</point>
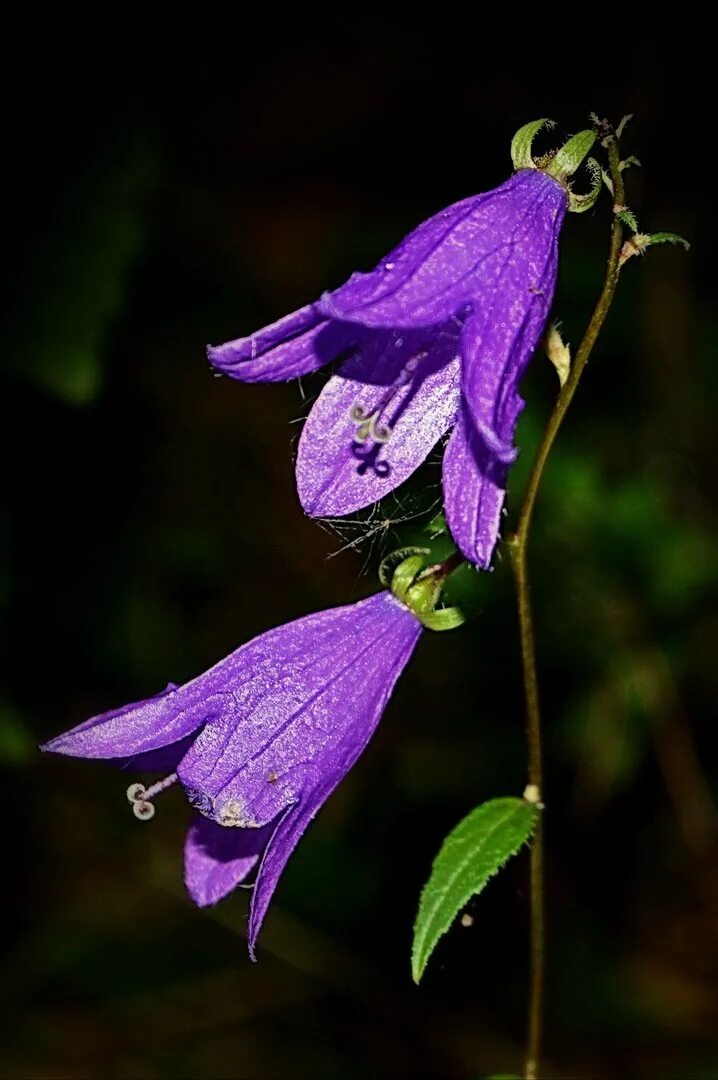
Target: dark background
<point>182,194</point>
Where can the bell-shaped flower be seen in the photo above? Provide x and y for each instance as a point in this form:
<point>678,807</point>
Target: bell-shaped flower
<point>436,338</point>
<point>261,740</point>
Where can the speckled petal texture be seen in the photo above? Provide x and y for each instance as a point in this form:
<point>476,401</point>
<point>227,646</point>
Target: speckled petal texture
<point>457,258</point>
<point>469,289</point>
<point>281,351</point>
<point>304,702</point>
<point>135,729</point>
<point>277,725</point>
<point>298,703</point>
<point>411,379</point>
<point>473,482</point>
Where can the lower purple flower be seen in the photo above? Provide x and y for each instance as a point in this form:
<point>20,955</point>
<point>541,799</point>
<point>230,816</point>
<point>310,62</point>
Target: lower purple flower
<point>261,740</point>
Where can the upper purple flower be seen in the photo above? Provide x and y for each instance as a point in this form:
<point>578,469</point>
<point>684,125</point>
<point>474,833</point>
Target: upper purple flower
<point>437,336</point>
<point>260,740</point>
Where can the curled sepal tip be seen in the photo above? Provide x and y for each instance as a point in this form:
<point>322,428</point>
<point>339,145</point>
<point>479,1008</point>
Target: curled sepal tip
<point>572,154</point>
<point>419,587</point>
<point>389,565</point>
<point>404,577</point>
<point>522,142</point>
<point>447,618</point>
<point>578,204</point>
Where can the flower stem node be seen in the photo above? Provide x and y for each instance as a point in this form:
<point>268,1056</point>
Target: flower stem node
<point>532,795</point>
<point>419,587</point>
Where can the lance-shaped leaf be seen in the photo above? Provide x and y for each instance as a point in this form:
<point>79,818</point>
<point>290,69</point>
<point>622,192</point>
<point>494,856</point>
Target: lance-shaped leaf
<point>472,853</point>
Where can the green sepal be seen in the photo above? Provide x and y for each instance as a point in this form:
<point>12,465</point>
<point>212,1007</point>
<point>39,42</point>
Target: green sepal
<point>578,204</point>
<point>447,618</point>
<point>389,565</point>
<point>522,142</point>
<point>571,155</point>
<point>404,575</point>
<point>423,594</point>
<point>419,587</point>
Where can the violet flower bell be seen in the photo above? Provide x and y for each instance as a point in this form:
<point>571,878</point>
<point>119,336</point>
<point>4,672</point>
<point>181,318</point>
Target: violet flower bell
<point>261,740</point>
<point>438,336</point>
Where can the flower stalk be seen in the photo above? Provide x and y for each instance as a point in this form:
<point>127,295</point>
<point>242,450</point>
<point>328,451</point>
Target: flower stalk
<point>518,546</point>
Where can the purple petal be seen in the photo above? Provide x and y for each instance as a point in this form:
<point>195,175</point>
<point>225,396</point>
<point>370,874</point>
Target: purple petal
<point>449,260</point>
<point>474,492</point>
<point>146,725</point>
<point>164,759</point>
<point>410,381</point>
<point>508,317</point>
<point>305,699</point>
<point>295,345</point>
<point>287,835</point>
<point>217,859</point>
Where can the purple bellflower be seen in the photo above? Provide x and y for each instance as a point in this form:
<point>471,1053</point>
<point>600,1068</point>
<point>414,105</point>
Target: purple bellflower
<point>261,740</point>
<point>437,337</point>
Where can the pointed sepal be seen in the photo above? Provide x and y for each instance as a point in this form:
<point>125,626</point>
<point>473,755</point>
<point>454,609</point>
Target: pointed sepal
<point>572,154</point>
<point>419,587</point>
<point>578,204</point>
<point>522,143</point>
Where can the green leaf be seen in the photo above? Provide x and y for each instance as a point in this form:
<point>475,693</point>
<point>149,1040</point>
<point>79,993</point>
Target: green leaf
<point>628,218</point>
<point>472,853</point>
<point>666,238</point>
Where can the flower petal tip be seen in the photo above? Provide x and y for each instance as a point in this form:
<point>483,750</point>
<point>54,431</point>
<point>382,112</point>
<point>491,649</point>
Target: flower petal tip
<point>57,745</point>
<point>217,357</point>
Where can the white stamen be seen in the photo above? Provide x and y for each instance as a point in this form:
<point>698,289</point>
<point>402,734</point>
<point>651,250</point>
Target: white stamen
<point>161,785</point>
<point>140,797</point>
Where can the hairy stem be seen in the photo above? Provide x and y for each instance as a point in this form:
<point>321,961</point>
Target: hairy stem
<point>518,545</point>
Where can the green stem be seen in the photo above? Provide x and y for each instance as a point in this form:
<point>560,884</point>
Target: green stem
<point>518,545</point>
